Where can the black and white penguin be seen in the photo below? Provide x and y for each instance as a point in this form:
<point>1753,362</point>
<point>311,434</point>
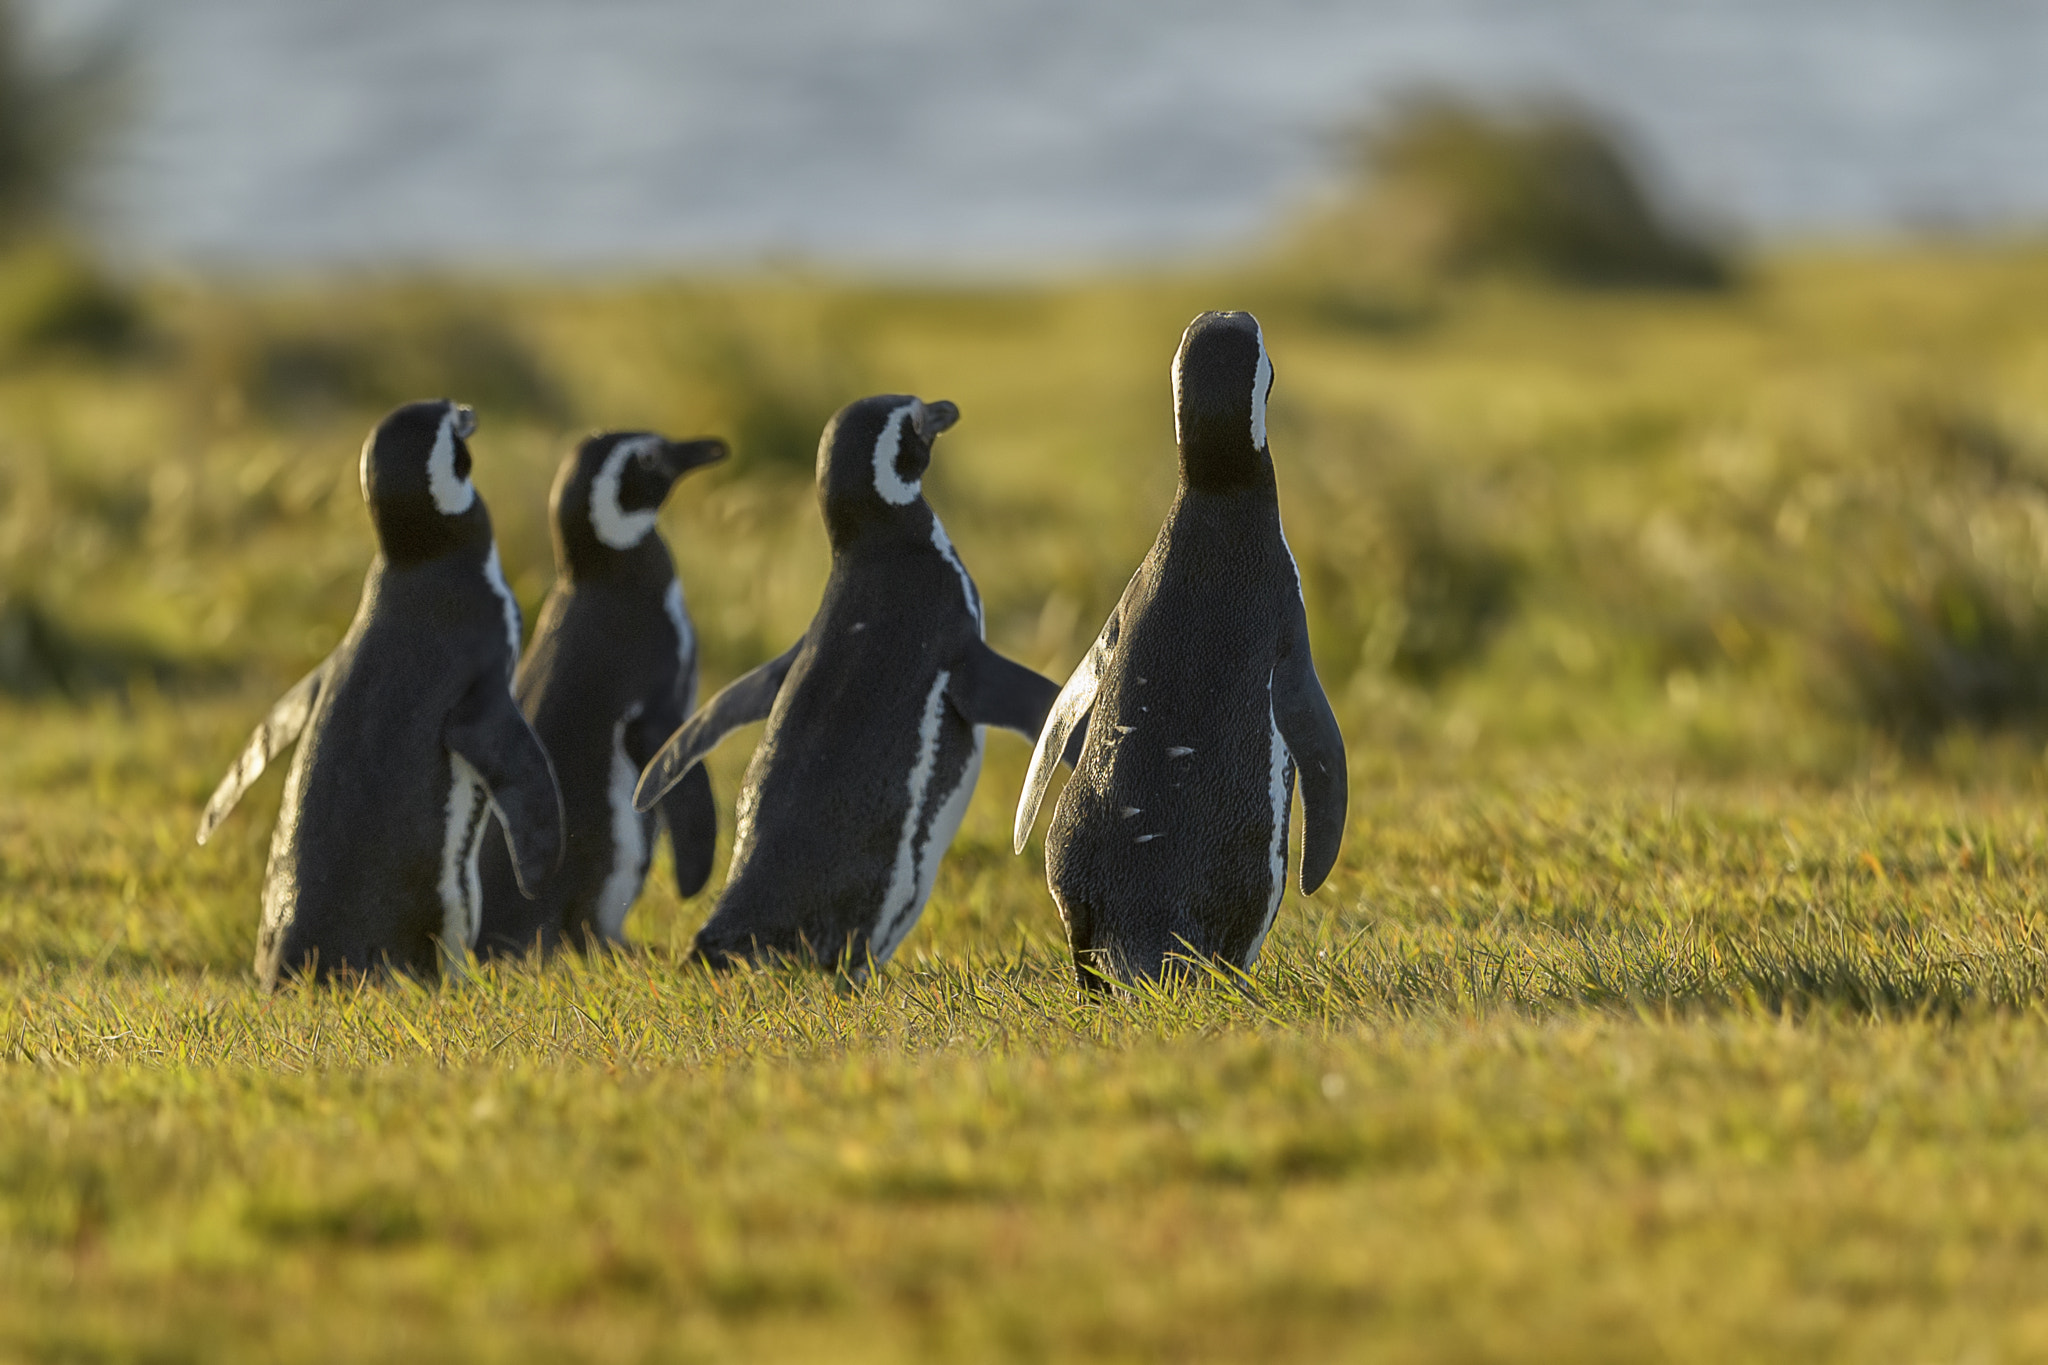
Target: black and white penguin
<point>1170,840</point>
<point>875,717</point>
<point>611,672</point>
<point>407,733</point>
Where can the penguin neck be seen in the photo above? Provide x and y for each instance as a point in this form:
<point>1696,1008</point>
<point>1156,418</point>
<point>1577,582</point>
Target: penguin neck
<point>647,563</point>
<point>1210,463</point>
<point>847,528</point>
<point>406,542</point>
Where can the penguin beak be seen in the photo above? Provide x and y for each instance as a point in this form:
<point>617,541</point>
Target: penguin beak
<point>932,418</point>
<point>680,457</point>
<point>465,421</point>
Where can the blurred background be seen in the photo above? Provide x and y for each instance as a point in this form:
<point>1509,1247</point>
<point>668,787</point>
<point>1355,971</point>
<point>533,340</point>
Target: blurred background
<point>994,134</point>
<point>1656,385</point>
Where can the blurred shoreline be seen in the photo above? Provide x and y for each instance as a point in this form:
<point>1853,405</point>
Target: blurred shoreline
<point>997,139</point>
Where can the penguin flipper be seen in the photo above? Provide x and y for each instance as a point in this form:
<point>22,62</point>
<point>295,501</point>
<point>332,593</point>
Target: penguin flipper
<point>691,816</point>
<point>488,732</point>
<point>988,689</point>
<point>1065,726</point>
<point>278,732</point>
<point>1302,713</point>
<point>747,698</point>
<point>688,811</point>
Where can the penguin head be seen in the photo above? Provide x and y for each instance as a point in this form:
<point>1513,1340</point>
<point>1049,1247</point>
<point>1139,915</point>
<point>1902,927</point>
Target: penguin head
<point>1221,376</point>
<point>415,475</point>
<point>872,458</point>
<point>610,490</point>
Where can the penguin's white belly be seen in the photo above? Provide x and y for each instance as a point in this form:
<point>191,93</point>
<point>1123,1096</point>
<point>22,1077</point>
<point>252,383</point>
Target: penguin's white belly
<point>631,847</point>
<point>460,887</point>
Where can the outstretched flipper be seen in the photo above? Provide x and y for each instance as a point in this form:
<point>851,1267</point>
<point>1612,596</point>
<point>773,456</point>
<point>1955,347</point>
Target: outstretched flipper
<point>748,698</point>
<point>1310,730</point>
<point>1066,726</point>
<point>487,731</point>
<point>278,732</point>
<point>988,689</point>
<point>687,811</point>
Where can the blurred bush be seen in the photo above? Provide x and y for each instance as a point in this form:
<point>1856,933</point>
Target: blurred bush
<point>773,397</point>
<point>1401,556</point>
<point>1445,187</point>
<point>1934,549</point>
<point>40,657</point>
<point>314,364</point>
<point>55,119</point>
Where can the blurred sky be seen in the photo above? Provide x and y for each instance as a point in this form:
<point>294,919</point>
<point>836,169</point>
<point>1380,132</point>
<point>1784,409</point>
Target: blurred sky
<point>980,134</point>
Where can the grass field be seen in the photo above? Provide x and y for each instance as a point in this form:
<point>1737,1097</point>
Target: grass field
<point>1678,995</point>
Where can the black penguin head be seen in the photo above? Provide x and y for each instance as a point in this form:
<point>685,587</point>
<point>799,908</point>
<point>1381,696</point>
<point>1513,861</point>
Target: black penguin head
<point>872,458</point>
<point>1221,376</point>
<point>610,490</point>
<point>415,475</point>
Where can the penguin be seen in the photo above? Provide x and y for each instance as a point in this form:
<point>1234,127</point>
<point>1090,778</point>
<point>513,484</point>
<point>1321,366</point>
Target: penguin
<point>1169,843</point>
<point>407,737</point>
<point>611,672</point>
<point>876,717</point>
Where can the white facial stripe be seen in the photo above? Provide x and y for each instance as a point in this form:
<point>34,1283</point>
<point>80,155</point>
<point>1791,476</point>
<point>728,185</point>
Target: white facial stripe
<point>453,496</point>
<point>620,529</point>
<point>1262,380</point>
<point>888,446</point>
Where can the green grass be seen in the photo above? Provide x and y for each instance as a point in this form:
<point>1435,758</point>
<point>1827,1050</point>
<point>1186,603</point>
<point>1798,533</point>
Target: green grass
<point>1678,995</point>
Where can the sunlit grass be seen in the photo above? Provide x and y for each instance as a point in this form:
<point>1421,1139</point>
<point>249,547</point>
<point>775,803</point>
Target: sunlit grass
<point>1679,992</point>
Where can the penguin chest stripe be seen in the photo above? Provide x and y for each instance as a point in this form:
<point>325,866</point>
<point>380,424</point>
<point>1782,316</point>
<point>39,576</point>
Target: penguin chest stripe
<point>461,838</point>
<point>1280,788</point>
<point>916,859</point>
<point>629,838</point>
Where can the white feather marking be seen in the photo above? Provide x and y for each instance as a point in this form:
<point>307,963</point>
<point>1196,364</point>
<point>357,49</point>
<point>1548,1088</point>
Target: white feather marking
<point>615,526</point>
<point>889,485</point>
<point>1178,751</point>
<point>945,546</point>
<point>917,862</point>
<point>452,496</point>
<point>1147,838</point>
<point>679,617</point>
<point>462,836</point>
<point>1176,385</point>
<point>1281,790</point>
<point>1129,811</point>
<point>1262,383</point>
<point>494,574</point>
<point>630,844</point>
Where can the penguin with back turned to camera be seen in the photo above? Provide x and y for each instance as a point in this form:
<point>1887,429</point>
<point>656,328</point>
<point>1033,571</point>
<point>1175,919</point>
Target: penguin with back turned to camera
<point>1170,839</point>
<point>408,736</point>
<point>610,674</point>
<point>875,717</point>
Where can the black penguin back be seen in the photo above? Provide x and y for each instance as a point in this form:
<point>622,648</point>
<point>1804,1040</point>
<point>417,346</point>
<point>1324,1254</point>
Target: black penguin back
<point>1170,839</point>
<point>611,670</point>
